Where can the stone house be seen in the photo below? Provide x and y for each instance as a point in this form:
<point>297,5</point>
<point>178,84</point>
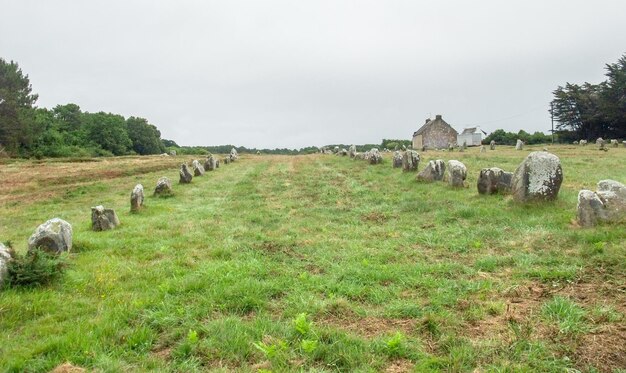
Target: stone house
<point>434,134</point>
<point>472,136</point>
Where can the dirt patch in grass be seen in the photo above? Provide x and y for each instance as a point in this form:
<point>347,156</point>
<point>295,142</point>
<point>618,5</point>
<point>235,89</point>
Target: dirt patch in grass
<point>68,368</point>
<point>163,352</point>
<point>370,327</point>
<point>399,366</point>
<point>604,349</point>
<point>375,217</point>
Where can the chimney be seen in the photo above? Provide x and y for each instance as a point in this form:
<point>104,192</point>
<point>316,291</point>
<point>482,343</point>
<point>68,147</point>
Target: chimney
<point>427,120</point>
<point>438,117</point>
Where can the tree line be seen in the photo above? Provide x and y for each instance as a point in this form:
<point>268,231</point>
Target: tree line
<point>588,111</point>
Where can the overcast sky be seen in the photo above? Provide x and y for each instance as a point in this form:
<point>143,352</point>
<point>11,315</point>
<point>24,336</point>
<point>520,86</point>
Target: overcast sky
<point>298,73</point>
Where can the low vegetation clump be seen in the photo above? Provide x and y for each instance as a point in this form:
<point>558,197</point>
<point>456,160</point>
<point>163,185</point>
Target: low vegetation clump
<point>35,268</point>
<point>315,263</point>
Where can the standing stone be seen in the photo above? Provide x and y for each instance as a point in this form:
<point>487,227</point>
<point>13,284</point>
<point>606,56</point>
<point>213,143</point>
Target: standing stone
<point>163,187</point>
<point>492,145</point>
<point>211,163</point>
<point>198,169</point>
<point>608,204</point>
<point>583,142</point>
<point>494,180</point>
<point>217,163</point>
<point>5,258</point>
<point>136,198</point>
<point>519,145</point>
<point>601,143</point>
<point>397,159</point>
<point>624,143</point>
<point>614,143</point>
<point>575,142</point>
<point>336,150</point>
<point>233,154</point>
<point>103,219</point>
<point>410,161</point>
<point>172,152</point>
<point>433,171</point>
<point>457,173</point>
<point>352,151</point>
<point>375,157</point>
<point>53,236</point>
<point>343,152</point>
<point>538,177</point>
<point>185,175</point>
<point>483,149</point>
<point>226,160</point>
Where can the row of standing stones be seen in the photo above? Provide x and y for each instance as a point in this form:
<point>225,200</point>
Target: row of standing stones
<point>538,178</point>
<point>55,235</point>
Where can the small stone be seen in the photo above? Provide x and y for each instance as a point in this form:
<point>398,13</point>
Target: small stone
<point>614,143</point>
<point>172,152</point>
<point>53,236</point>
<point>136,198</point>
<point>457,173</point>
<point>397,159</point>
<point>410,161</point>
<point>433,171</point>
<point>494,180</point>
<point>538,177</point>
<point>583,142</point>
<point>519,145</point>
<point>227,160</point>
<point>198,169</point>
<point>607,204</point>
<point>103,219</point>
<point>163,187</point>
<point>5,258</point>
<point>185,175</point>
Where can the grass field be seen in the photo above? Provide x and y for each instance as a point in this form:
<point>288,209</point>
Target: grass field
<point>316,263</point>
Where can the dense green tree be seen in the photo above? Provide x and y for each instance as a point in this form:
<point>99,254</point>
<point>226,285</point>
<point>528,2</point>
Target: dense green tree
<point>108,131</point>
<point>169,143</point>
<point>145,137</point>
<point>16,108</point>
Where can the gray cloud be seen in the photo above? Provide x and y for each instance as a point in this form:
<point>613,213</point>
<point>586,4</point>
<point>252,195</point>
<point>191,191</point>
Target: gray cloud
<point>295,73</point>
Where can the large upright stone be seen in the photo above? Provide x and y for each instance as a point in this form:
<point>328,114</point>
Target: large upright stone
<point>53,236</point>
<point>352,151</point>
<point>163,187</point>
<point>519,145</point>
<point>185,175</point>
<point>492,145</point>
<point>614,143</point>
<point>494,180</point>
<point>457,173</point>
<point>582,142</point>
<point>5,258</point>
<point>374,156</point>
<point>198,169</point>
<point>607,204</point>
<point>397,159</point>
<point>103,219</point>
<point>433,171</point>
<point>410,161</point>
<point>210,164</point>
<point>538,177</point>
<point>136,198</point>
<point>233,154</point>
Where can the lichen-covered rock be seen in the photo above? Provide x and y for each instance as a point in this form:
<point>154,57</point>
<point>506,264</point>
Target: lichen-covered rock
<point>374,156</point>
<point>607,204</point>
<point>5,258</point>
<point>352,151</point>
<point>582,142</point>
<point>433,171</point>
<point>53,236</point>
<point>136,198</point>
<point>103,219</point>
<point>601,143</point>
<point>198,169</point>
<point>410,161</point>
<point>614,143</point>
<point>457,173</point>
<point>210,164</point>
<point>163,187</point>
<point>492,145</point>
<point>227,160</point>
<point>494,180</point>
<point>538,177</point>
<point>519,145</point>
<point>397,159</point>
<point>233,154</point>
<point>185,175</point>
<point>172,152</point>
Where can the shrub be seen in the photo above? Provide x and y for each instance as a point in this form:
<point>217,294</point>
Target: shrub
<point>36,268</point>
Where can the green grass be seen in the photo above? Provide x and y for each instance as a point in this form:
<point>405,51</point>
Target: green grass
<point>314,263</point>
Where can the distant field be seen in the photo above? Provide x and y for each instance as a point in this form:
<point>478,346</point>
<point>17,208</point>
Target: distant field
<point>316,263</point>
